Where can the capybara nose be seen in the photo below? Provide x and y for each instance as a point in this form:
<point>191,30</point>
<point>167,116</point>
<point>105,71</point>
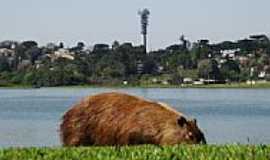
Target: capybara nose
<point>203,141</point>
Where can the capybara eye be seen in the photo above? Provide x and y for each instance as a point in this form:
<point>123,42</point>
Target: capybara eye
<point>181,121</point>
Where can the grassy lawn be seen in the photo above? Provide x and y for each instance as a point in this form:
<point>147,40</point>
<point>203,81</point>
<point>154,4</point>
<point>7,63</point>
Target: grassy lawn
<point>211,152</point>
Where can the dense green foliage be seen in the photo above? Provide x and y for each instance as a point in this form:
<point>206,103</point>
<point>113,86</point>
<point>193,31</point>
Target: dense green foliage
<point>26,63</point>
<point>227,152</point>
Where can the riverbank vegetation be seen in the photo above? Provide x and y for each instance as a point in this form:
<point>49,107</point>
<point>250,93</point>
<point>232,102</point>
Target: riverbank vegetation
<point>181,64</point>
<point>209,152</point>
<point>242,85</point>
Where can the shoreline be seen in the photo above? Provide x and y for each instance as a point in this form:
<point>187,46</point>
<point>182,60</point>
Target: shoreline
<point>186,86</point>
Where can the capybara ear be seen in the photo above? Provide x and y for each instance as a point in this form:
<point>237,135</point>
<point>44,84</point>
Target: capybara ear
<point>194,121</point>
<point>181,121</point>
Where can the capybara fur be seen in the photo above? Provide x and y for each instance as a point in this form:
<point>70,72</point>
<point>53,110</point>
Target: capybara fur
<point>117,119</point>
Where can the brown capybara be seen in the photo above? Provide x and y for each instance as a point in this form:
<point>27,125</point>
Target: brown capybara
<point>119,119</point>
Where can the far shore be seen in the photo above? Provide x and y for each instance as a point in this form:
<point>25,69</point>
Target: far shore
<point>204,86</point>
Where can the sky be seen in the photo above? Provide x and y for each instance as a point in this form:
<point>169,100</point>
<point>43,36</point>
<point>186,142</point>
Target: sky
<point>103,21</point>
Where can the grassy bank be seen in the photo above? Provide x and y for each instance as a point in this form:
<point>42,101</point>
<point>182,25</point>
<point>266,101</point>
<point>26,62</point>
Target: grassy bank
<point>261,152</point>
<point>210,86</point>
<point>221,86</point>
<point>232,85</point>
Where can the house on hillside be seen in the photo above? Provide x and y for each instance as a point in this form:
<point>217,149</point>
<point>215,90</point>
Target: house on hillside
<point>243,60</point>
<point>8,54</point>
<point>8,44</point>
<point>187,80</point>
<point>230,53</point>
<point>4,52</point>
<point>61,53</point>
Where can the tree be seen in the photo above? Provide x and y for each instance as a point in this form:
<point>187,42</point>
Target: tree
<point>179,59</point>
<point>230,70</point>
<point>33,54</point>
<point>115,45</point>
<point>174,48</point>
<point>78,48</point>
<point>109,67</point>
<point>4,65</point>
<point>185,43</point>
<point>204,49</point>
<point>208,69</point>
<point>200,50</point>
<point>8,44</point>
<point>61,45</point>
<point>86,64</point>
<point>246,46</point>
<point>129,56</point>
<point>149,66</point>
<point>101,48</point>
<point>29,44</point>
<point>21,50</point>
<point>176,79</point>
<point>226,45</point>
<point>80,45</point>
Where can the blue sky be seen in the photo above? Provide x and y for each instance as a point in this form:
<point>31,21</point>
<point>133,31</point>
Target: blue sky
<point>98,21</point>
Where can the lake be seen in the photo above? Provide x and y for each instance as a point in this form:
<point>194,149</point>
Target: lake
<point>31,117</point>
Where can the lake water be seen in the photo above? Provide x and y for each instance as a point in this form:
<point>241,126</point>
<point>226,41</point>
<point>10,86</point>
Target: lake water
<point>31,117</point>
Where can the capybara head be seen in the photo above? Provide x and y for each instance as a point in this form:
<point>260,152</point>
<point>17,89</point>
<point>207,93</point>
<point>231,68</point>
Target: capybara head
<point>186,131</point>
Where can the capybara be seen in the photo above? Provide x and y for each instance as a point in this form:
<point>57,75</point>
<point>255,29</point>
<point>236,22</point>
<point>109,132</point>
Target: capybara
<point>118,119</point>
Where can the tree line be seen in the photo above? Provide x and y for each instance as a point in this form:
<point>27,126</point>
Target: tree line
<point>56,65</point>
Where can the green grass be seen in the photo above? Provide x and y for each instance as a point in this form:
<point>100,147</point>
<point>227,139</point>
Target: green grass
<point>211,152</point>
